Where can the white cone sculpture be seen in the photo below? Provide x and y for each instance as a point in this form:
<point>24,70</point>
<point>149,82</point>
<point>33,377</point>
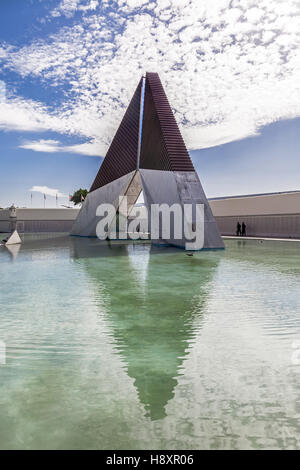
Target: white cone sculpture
<point>13,239</point>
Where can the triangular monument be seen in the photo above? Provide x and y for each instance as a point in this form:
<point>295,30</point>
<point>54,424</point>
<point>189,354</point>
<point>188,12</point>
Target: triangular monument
<point>147,154</point>
<point>13,239</point>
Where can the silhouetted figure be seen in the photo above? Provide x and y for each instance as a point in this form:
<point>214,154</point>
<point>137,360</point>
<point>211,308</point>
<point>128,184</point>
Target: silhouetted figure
<point>238,229</point>
<point>243,229</point>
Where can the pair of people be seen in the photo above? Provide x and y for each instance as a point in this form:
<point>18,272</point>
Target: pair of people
<point>241,229</point>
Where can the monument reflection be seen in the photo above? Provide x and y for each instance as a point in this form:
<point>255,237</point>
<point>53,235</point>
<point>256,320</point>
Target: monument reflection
<point>152,297</point>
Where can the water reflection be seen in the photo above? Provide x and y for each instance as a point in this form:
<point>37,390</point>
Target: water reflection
<point>275,255</point>
<point>13,250</point>
<point>130,346</point>
<point>152,299</point>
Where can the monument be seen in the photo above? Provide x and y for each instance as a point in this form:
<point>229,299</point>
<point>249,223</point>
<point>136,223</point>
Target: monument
<point>13,238</point>
<point>148,154</point>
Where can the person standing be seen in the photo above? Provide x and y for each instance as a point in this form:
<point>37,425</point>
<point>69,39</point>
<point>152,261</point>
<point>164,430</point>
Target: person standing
<point>238,229</point>
<point>243,229</point>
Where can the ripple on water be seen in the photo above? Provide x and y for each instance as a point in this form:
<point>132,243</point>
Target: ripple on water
<point>115,347</point>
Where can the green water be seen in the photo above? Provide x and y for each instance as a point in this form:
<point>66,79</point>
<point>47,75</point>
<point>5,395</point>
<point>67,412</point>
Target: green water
<point>136,347</point>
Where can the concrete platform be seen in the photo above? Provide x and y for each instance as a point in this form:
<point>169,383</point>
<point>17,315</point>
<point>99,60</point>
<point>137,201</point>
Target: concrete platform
<point>261,238</point>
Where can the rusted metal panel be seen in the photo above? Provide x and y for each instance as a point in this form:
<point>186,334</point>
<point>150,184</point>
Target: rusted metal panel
<point>121,157</point>
<point>162,146</point>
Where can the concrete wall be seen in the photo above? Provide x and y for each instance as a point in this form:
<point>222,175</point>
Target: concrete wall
<point>279,226</point>
<point>269,215</point>
<point>4,220</point>
<point>40,220</point>
<point>265,204</point>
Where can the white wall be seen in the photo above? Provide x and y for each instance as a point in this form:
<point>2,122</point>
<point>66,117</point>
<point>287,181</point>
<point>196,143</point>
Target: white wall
<point>40,220</point>
<point>47,214</point>
<point>286,203</point>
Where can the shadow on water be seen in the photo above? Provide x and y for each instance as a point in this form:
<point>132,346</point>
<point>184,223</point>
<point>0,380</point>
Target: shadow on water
<point>153,297</point>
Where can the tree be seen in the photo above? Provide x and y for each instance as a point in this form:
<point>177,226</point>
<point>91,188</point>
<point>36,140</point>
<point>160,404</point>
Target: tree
<point>79,196</point>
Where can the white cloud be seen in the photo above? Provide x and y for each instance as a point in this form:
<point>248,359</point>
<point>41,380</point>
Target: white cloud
<point>88,148</point>
<point>68,7</point>
<point>52,146</point>
<point>41,145</point>
<point>254,15</point>
<point>228,68</point>
<point>47,191</point>
<point>3,53</point>
<point>27,115</point>
<point>202,137</point>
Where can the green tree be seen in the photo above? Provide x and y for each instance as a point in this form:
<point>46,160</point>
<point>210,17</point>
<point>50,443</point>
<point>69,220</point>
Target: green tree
<point>79,196</point>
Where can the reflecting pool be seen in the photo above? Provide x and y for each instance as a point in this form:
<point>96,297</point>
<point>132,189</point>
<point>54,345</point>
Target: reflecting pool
<point>131,346</point>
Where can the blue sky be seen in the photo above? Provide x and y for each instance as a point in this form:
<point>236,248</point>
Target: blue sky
<point>68,68</point>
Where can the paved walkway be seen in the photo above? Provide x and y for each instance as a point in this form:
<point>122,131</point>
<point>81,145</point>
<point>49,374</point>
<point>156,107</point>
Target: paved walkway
<point>262,238</point>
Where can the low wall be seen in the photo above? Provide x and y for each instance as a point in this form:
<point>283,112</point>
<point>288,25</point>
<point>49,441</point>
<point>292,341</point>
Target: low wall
<point>40,220</point>
<point>277,226</point>
<point>4,221</point>
<point>227,212</point>
<point>257,204</point>
<point>35,226</point>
